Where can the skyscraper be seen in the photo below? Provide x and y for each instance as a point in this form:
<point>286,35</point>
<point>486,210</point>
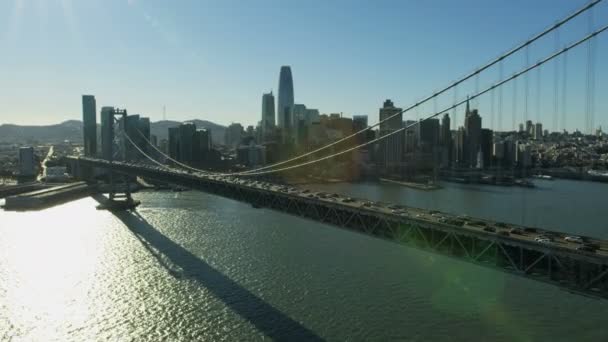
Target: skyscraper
<point>26,161</point>
<point>445,140</point>
<point>107,132</point>
<point>286,98</point>
<point>487,144</point>
<point>446,135</point>
<point>89,123</point>
<point>386,112</point>
<point>472,125</point>
<point>359,124</point>
<point>428,134</point>
<point>538,131</point>
<point>268,114</point>
<point>186,142</point>
<point>530,128</point>
<point>391,148</point>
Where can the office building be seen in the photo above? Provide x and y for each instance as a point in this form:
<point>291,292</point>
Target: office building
<point>89,123</point>
<point>387,111</point>
<point>186,142</point>
<point>286,99</point>
<point>530,128</point>
<point>107,132</point>
<point>487,145</point>
<point>390,149</point>
<point>131,152</point>
<point>359,124</point>
<point>538,131</point>
<point>445,137</point>
<point>472,126</point>
<point>445,141</point>
<point>460,146</point>
<point>312,116</point>
<point>233,135</point>
<point>428,134</point>
<point>174,143</point>
<point>202,144</point>
<point>268,114</point>
<point>251,155</point>
<point>26,162</point>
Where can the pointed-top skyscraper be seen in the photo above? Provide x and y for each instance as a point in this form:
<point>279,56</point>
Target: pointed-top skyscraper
<point>286,99</point>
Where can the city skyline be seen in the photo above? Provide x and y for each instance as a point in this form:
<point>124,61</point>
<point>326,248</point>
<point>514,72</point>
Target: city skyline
<point>353,84</point>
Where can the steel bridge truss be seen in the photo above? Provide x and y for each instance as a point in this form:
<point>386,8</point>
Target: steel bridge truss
<point>543,264</point>
<point>568,269</point>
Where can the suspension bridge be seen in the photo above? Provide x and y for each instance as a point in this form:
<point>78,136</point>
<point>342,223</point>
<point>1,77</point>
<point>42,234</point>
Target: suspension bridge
<point>535,253</point>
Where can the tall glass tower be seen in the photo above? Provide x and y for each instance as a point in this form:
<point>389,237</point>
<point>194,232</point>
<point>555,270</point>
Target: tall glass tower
<point>285,102</point>
<point>89,122</point>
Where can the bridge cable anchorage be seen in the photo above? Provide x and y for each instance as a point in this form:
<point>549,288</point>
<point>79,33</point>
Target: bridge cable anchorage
<point>474,96</point>
<point>493,62</point>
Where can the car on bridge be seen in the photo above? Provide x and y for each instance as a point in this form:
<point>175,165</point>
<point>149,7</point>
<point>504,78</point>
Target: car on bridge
<point>575,239</point>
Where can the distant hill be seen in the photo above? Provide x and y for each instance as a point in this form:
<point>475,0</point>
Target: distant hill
<point>72,130</point>
<point>68,130</point>
<point>161,129</point>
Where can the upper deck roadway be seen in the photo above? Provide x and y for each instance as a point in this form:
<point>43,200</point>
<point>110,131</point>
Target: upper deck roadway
<point>533,252</point>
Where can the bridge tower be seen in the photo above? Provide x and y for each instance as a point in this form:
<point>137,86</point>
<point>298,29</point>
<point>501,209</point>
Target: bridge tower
<point>119,191</point>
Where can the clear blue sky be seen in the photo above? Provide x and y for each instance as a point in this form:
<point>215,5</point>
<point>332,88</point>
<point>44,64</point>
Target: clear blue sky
<point>214,59</point>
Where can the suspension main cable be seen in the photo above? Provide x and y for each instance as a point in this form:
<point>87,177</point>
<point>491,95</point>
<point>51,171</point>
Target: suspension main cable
<point>171,159</point>
<point>142,152</point>
<point>514,76</point>
<point>436,94</point>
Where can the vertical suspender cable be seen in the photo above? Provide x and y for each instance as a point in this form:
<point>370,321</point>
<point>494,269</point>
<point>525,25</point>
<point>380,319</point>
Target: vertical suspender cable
<point>538,95</point>
<point>526,85</point>
<point>556,83</point>
<point>564,91</point>
<point>514,106</point>
<point>500,76</point>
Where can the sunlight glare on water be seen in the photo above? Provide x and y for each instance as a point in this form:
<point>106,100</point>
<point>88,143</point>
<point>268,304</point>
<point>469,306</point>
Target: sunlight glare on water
<point>186,267</point>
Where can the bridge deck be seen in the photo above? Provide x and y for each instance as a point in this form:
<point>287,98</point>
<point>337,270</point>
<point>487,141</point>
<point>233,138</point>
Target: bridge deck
<point>507,247</point>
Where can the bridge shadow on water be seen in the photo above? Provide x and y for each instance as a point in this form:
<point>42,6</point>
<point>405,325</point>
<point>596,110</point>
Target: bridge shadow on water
<point>267,319</point>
